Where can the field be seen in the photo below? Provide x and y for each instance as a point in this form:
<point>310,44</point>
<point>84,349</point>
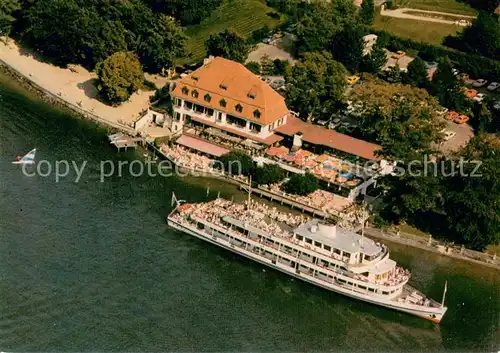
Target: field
<point>243,16</point>
<point>452,6</point>
<point>428,32</point>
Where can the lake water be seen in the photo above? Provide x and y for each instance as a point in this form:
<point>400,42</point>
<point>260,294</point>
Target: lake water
<point>92,266</point>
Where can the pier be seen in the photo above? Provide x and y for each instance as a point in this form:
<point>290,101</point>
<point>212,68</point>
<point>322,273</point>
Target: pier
<point>121,140</point>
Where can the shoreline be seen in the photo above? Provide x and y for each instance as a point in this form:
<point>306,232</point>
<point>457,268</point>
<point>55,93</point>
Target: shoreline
<point>54,100</point>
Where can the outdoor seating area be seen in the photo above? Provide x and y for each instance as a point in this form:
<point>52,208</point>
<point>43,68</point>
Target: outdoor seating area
<point>325,167</point>
<point>189,160</point>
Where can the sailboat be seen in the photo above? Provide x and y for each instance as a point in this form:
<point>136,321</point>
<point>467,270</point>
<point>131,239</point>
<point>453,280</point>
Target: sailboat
<point>29,158</point>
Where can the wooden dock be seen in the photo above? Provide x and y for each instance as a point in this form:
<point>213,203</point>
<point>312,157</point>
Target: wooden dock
<point>121,140</point>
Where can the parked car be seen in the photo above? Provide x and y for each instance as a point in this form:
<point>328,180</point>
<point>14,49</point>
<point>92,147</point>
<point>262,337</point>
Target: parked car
<point>352,79</point>
<point>448,135</point>
<point>334,123</point>
<point>455,72</point>
<point>479,83</point>
<point>493,86</point>
<point>479,97</point>
<point>461,119</point>
<point>452,115</point>
<point>470,92</point>
<point>398,55</point>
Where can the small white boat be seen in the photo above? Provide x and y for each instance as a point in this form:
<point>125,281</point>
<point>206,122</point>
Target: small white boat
<point>29,158</point>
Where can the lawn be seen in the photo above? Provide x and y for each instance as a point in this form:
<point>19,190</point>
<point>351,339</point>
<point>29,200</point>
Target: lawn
<point>452,6</point>
<point>243,16</point>
<point>421,31</point>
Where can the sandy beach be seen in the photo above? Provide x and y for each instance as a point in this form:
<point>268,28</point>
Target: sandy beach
<point>75,85</point>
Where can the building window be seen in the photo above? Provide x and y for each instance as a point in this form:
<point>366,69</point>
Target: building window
<point>255,127</point>
<point>256,113</point>
<point>327,248</point>
<point>309,241</point>
<point>219,116</point>
<point>177,116</point>
<point>195,94</point>
<point>188,105</point>
<point>317,243</point>
<point>185,90</point>
<point>238,108</point>
<point>224,87</point>
<point>209,112</point>
<point>207,98</point>
<point>195,78</point>
<point>223,103</point>
<point>300,237</point>
<point>241,123</point>
<point>251,95</point>
<point>199,108</point>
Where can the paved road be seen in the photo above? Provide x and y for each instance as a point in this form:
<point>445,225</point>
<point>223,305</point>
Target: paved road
<point>401,13</point>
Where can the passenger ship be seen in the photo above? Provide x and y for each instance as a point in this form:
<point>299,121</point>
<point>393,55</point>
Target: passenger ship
<point>314,251</point>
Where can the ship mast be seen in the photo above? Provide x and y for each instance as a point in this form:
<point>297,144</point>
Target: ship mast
<point>249,192</point>
<point>444,292</point>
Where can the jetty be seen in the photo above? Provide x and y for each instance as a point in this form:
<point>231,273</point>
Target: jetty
<point>121,140</point>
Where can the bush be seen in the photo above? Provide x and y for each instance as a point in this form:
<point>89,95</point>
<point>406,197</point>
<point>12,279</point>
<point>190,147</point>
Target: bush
<point>389,5</point>
<point>254,67</point>
<point>301,184</point>
<point>150,85</point>
<point>236,163</point>
<point>268,174</point>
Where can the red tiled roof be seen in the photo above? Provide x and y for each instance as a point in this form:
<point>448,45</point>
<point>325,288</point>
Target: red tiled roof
<point>201,145</point>
<point>227,80</point>
<point>267,141</point>
<point>321,136</point>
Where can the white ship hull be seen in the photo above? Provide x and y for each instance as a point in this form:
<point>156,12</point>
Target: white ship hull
<point>430,313</point>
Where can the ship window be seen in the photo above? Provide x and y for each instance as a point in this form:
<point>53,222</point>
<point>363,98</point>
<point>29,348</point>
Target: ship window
<point>349,283</point>
<point>309,241</point>
<point>362,287</point>
<point>327,248</point>
<point>300,237</point>
<point>341,280</point>
<point>200,225</point>
<point>371,289</point>
<point>317,243</point>
<point>385,293</point>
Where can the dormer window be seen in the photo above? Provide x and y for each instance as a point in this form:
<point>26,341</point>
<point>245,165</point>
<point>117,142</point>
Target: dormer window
<point>256,113</point>
<point>224,87</point>
<point>238,108</point>
<point>185,90</point>
<point>251,95</point>
<point>223,103</point>
<point>207,98</point>
<point>195,94</point>
<point>195,78</point>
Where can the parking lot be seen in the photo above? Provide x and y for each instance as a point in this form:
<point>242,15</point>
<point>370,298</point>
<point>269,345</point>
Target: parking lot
<point>463,134</point>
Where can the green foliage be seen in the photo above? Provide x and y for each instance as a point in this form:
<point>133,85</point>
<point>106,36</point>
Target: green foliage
<point>87,32</point>
<point>417,73</point>
<point>188,12</point>
<point>393,75</point>
<point>319,21</point>
<point>374,61</point>
<point>367,12</point>
<point>347,47</point>
<point>267,65</point>
<point>281,66</point>
<point>119,76</point>
<point>301,184</point>
<point>447,88</point>
<point>260,34</point>
<point>483,37</point>
<point>227,44</point>
<point>267,174</point>
<point>236,162</point>
<point>254,67</point>
<point>7,9</point>
<point>315,81</point>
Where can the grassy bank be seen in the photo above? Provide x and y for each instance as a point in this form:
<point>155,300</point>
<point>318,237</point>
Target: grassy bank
<point>451,6</point>
<point>421,31</point>
<point>243,16</point>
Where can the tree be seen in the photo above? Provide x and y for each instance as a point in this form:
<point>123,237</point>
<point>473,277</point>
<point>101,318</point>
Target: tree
<point>227,44</point>
<point>417,73</point>
<point>161,44</point>
<point>447,88</point>
<point>7,9</point>
<point>119,76</point>
<point>483,37</point>
<point>281,66</point>
<point>189,12</point>
<point>299,184</point>
<point>375,61</point>
<point>268,174</point>
<point>315,81</point>
<point>347,46</point>
<point>267,65</point>
<point>236,163</point>
<point>471,200</point>
<point>254,67</point>
<point>367,12</point>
